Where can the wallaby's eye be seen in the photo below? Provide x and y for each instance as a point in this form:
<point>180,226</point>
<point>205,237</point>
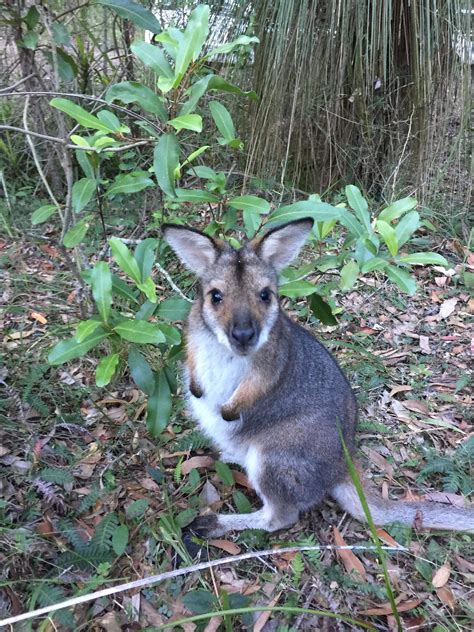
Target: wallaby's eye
<point>216,296</point>
<point>265,295</point>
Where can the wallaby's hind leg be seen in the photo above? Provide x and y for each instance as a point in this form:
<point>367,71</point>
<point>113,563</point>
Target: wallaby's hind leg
<point>270,517</point>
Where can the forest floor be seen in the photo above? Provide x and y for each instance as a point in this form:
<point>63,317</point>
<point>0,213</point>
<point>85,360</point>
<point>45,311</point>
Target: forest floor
<point>89,500</point>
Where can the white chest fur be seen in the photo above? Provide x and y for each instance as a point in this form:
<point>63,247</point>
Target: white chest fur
<point>219,372</point>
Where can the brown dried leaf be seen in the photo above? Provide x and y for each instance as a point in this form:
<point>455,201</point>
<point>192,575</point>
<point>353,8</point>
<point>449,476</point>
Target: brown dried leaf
<point>387,538</point>
<point>416,406</point>
<point>387,609</point>
<point>347,557</point>
<point>41,318</point>
<point>241,479</point>
<point>380,461</point>
<point>213,625</point>
<point>446,595</point>
<point>195,462</point>
<point>441,576</point>
<point>402,388</point>
<point>263,618</point>
<point>229,547</point>
<point>424,343</point>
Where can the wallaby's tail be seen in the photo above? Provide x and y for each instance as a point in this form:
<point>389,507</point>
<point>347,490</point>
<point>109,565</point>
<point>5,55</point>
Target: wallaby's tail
<point>427,514</point>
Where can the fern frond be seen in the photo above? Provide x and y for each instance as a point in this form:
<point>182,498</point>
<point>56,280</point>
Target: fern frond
<point>56,475</point>
<point>102,538</point>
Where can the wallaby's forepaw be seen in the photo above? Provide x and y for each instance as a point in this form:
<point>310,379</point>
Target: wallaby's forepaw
<point>229,413</point>
<point>195,389</point>
<point>206,526</point>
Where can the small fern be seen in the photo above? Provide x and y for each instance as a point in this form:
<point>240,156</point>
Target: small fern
<point>455,469</point>
<point>56,475</point>
<point>90,500</point>
<point>49,594</point>
<point>104,532</point>
<point>297,566</point>
<point>177,474</point>
<point>193,440</point>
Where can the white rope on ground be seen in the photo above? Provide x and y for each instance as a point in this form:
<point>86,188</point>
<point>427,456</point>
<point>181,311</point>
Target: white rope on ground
<point>154,579</point>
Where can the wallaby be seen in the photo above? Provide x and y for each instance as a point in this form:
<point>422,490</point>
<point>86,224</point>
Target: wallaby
<point>268,394</point>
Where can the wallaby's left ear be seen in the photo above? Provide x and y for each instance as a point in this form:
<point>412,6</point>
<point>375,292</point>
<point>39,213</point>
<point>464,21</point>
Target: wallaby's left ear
<point>281,245</point>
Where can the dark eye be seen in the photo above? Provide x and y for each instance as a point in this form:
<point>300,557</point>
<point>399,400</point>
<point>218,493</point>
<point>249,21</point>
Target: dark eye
<point>216,296</point>
<point>265,295</point>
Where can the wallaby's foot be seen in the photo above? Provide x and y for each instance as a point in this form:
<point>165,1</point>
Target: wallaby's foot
<point>215,525</point>
<point>229,413</point>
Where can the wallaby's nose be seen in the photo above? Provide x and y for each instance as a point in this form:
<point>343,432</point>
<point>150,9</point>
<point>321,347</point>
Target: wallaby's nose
<point>243,334</point>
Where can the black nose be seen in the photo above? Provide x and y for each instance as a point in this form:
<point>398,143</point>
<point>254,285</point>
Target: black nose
<point>243,334</point>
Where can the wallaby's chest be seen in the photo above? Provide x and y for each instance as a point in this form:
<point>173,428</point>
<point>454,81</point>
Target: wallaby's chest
<point>218,372</point>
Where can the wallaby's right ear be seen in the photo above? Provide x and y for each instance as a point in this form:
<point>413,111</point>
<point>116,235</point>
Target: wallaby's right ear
<point>195,249</point>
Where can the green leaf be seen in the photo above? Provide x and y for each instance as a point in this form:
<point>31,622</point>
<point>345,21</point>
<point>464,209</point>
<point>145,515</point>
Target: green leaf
<point>101,282</point>
<point>423,259</point>
<point>134,92</point>
<point>124,258</point>
<point>85,161</point>
<point>108,118</point>
<point>191,41</point>
<point>43,213</point>
<point>250,203</point>
<point>295,289</point>
<point>137,508</point>
<point>76,234</point>
<point>67,350</point>
<point>322,310</point>
<point>120,539</point>
<point>85,328</point>
<point>389,236</point>
<point>30,41</point>
<point>202,171</point>
<point>159,406</point>
<point>222,119</point>
<point>224,473</point>
<point>148,288</point>
<point>352,224</point>
<point>219,83</point>
<point>242,40</point>
<point>136,13</point>
<point>199,601</point>
<point>187,121</point>
<point>406,227</point>
<point>319,211</point>
<point>397,209</point>
<point>141,371</point>
<point>359,205</point>
<point>349,274</point>
<point>153,57</point>
<point>197,196</point>
<point>241,502</point>
<point>172,335</point>
<point>146,310</point>
<point>173,308</point>
<point>128,183</point>
<point>195,92</point>
<point>402,278</point>
<point>79,114</point>
<point>67,68</point>
<point>31,19</point>
<point>145,254</point>
<point>82,192</point>
<point>122,289</point>
<point>165,163</point>
<point>60,34</point>
<point>251,223</point>
<point>376,263</point>
<point>185,517</point>
<point>139,331</point>
<point>106,369</point>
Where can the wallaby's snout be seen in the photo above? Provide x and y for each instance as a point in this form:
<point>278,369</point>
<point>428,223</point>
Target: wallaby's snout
<point>244,332</point>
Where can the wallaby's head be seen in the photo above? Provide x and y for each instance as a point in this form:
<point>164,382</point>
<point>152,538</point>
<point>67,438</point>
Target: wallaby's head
<point>239,301</point>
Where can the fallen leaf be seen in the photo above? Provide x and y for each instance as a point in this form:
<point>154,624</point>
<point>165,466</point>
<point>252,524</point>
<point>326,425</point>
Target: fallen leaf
<point>209,495</point>
<point>149,484</point>
<point>213,625</point>
<point>380,461</point>
<point>424,343</point>
<point>447,498</point>
<point>401,388</point>
<point>347,557</point>
<point>447,308</point>
<point>41,318</point>
<point>416,406</point>
<point>387,538</point>
<point>263,618</point>
<point>45,528</point>
<point>195,462</point>
<point>241,479</point>
<point>464,565</point>
<point>386,608</point>
<point>446,595</point>
<point>229,547</point>
<point>441,576</point>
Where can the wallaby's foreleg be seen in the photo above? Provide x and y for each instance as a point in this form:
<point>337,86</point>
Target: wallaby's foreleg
<point>247,393</point>
<point>194,386</point>
<point>268,518</point>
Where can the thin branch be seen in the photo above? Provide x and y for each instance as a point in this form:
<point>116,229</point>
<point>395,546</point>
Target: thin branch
<point>53,139</point>
<point>154,579</point>
<point>167,276</point>
<point>18,83</point>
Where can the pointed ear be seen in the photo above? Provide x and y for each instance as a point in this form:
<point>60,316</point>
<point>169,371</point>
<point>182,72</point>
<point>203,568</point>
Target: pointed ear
<point>195,249</point>
<point>281,245</point>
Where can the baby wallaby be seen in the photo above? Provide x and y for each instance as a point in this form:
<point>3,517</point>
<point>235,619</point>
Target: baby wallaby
<point>268,394</point>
